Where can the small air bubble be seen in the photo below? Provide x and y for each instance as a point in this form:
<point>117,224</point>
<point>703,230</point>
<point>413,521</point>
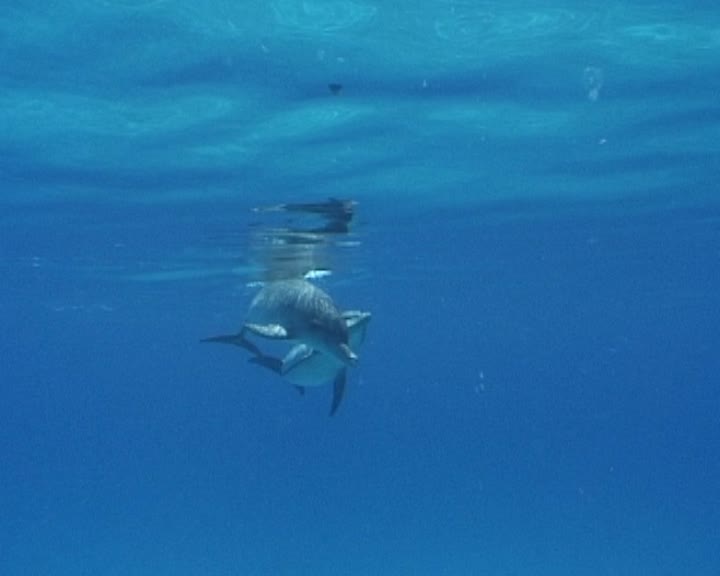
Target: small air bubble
<point>593,80</point>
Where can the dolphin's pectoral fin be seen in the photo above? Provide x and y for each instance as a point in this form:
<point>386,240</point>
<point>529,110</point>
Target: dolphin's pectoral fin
<point>338,390</point>
<point>269,362</point>
<point>296,357</point>
<point>236,340</point>
<point>350,357</point>
<point>300,389</point>
<point>272,331</point>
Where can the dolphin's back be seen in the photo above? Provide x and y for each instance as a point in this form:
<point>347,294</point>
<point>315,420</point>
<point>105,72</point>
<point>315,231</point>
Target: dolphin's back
<point>299,307</point>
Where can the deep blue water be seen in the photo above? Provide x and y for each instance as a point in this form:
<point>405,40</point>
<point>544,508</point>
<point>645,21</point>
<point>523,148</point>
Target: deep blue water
<point>537,236</point>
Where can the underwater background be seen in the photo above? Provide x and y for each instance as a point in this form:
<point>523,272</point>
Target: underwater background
<point>536,234</point>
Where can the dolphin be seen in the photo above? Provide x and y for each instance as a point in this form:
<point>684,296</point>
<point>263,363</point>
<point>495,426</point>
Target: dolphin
<point>303,366</point>
<point>298,310</point>
<point>306,367</point>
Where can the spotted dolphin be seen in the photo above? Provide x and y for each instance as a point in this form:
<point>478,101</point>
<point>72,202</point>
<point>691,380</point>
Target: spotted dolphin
<point>303,366</point>
<point>307,364</point>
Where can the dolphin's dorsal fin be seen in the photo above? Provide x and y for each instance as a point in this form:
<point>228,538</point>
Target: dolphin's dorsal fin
<point>338,390</point>
<point>273,331</point>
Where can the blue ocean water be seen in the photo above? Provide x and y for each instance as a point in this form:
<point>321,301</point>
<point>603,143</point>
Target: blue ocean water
<point>537,236</point>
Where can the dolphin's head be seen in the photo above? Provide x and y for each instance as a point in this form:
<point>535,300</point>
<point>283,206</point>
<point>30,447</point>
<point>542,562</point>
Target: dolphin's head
<point>356,322</point>
<point>332,338</point>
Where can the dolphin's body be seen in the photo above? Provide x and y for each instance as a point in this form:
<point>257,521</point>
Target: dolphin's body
<point>305,367</point>
<point>298,310</point>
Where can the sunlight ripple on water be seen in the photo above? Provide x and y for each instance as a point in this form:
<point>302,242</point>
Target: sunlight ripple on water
<point>323,17</point>
<point>486,26</point>
<point>133,3</point>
